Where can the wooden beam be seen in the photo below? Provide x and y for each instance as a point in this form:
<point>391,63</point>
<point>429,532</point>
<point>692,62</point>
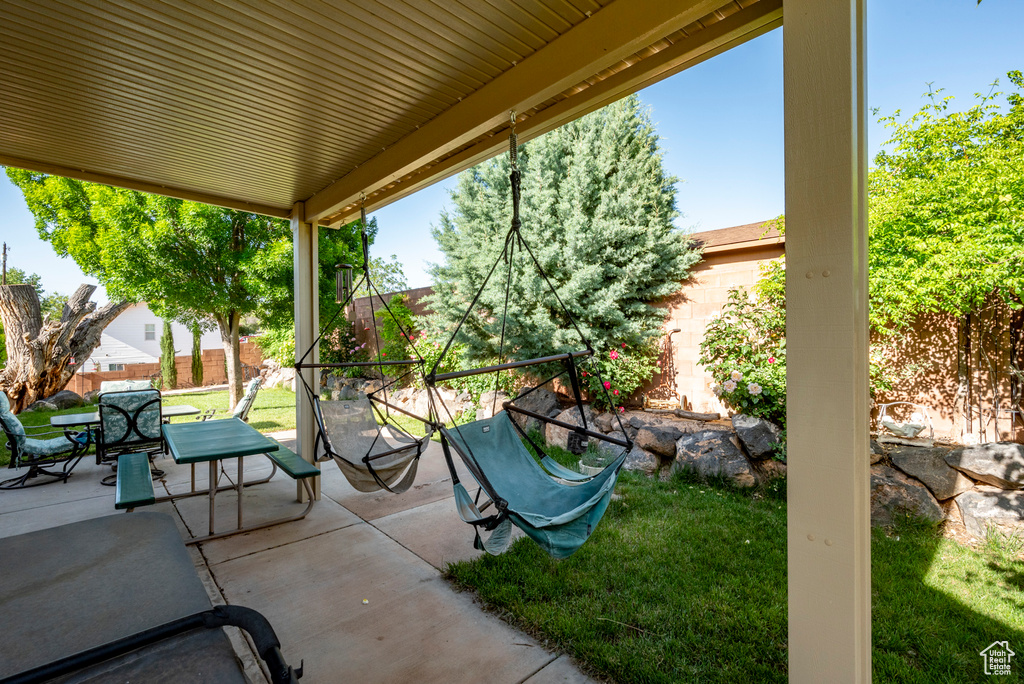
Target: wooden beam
<point>605,38</point>
<point>721,36</point>
<point>142,186</point>
<point>829,530</point>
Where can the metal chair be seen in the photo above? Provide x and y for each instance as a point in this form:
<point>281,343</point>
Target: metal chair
<point>243,406</point>
<point>44,455</point>
<point>130,422</point>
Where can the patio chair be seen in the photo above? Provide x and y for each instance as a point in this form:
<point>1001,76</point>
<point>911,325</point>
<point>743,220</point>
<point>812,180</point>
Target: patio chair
<point>243,406</point>
<point>44,451</point>
<point>130,422</point>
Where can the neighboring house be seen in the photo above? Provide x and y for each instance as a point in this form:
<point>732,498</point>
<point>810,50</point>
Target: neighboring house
<point>130,349</point>
<point>134,337</point>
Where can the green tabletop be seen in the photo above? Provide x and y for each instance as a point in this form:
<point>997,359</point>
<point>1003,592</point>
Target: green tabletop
<point>214,440</point>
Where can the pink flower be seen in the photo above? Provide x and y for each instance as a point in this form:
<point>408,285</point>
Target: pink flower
<point>607,385</point>
<point>622,409</point>
<point>771,359</point>
<point>613,354</point>
<point>615,392</point>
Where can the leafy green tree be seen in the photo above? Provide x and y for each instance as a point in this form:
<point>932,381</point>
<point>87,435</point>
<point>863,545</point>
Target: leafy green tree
<point>197,356</point>
<point>597,210</point>
<point>947,210</point>
<point>336,246</point>
<point>191,262</point>
<point>168,369</point>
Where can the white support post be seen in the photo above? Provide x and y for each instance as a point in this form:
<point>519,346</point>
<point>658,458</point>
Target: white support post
<point>827,341</point>
<point>307,325</point>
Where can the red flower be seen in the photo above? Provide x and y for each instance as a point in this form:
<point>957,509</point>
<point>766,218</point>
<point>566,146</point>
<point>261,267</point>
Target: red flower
<point>615,392</point>
<point>607,385</point>
<point>622,409</point>
<point>623,345</point>
<point>771,359</point>
<point>613,354</point>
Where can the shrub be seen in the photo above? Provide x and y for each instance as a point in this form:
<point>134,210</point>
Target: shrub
<point>744,348</point>
<point>623,369</point>
<point>431,343</point>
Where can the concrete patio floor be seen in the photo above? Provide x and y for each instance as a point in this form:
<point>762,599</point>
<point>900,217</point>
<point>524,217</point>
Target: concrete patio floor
<point>354,590</point>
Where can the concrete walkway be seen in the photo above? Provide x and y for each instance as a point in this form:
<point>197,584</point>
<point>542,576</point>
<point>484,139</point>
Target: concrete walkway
<point>354,590</point>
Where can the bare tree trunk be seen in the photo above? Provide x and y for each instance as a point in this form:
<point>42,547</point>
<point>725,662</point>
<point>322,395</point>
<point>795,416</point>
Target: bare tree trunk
<point>228,326</point>
<point>38,352</point>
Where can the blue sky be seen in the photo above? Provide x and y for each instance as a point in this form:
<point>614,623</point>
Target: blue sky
<point>721,125</point>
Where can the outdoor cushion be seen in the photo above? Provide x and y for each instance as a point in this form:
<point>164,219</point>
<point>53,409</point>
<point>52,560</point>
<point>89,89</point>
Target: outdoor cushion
<point>114,423</point>
<point>52,446</point>
<point>12,425</point>
<point>124,385</point>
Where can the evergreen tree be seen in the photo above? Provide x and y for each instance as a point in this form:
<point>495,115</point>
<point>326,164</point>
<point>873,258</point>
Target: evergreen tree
<point>167,368</point>
<point>197,356</point>
<point>597,210</point>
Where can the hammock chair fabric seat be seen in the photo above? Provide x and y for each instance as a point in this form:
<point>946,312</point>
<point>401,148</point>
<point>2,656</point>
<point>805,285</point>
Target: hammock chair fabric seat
<point>349,427</point>
<point>559,516</point>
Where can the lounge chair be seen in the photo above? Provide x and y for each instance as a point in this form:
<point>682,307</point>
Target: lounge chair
<point>48,454</point>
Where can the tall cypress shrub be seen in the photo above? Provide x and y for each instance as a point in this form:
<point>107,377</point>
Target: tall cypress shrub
<point>597,210</point>
<point>197,357</point>
<point>167,368</point>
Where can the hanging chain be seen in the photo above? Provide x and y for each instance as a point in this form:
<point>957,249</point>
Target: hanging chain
<point>512,143</point>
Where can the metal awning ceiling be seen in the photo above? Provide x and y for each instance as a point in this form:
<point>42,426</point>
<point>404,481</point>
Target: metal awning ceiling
<point>258,105</point>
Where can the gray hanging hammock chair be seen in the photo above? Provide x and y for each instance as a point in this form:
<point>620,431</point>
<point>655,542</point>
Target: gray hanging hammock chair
<point>372,455</point>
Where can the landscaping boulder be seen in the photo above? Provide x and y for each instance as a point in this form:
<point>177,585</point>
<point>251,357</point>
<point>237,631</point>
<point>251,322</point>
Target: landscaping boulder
<point>39,406</point>
<point>758,435</point>
<point>542,401</point>
<point>930,467</point>
<point>659,439</point>
<point>605,422</point>
<point>559,436</point>
<point>991,507</point>
<point>711,453</point>
<point>641,460</point>
<point>608,449</point>
<point>491,404</point>
<point>65,399</point>
<point>1000,464</point>
<point>893,493</point>
<point>92,397</point>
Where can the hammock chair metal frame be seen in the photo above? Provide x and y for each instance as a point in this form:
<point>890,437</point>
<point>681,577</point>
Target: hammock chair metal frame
<point>399,479</point>
<point>590,493</point>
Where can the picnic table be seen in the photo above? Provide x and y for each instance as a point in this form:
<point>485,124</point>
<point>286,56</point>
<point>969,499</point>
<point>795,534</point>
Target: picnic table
<point>213,442</point>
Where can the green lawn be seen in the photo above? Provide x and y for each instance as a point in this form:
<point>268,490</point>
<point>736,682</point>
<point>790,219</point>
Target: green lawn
<point>684,581</point>
<point>274,410</point>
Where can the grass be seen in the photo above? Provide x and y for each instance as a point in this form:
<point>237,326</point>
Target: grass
<point>684,581</point>
<point>273,410</point>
